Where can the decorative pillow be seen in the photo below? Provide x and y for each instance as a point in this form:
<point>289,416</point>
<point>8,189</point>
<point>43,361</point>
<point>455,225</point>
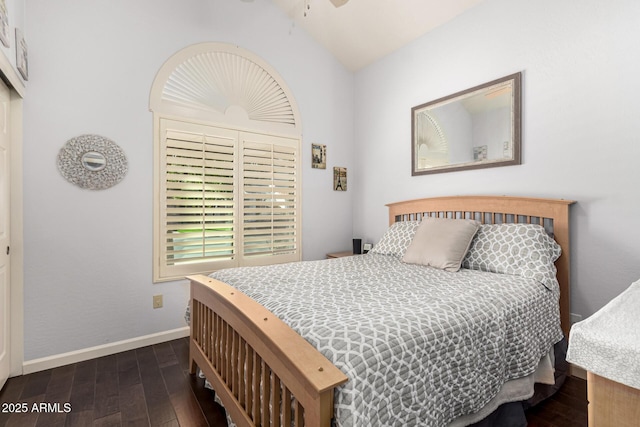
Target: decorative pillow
<point>441,243</point>
<point>522,249</point>
<point>396,239</point>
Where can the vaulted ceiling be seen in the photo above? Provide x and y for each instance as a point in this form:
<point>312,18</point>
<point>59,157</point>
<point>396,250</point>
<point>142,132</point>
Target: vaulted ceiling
<point>362,31</point>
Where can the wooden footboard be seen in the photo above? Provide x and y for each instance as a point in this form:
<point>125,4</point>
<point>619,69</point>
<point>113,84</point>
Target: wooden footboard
<point>264,373</point>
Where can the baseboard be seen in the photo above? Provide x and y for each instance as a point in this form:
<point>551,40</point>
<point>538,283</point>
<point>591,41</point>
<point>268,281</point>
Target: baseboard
<point>57,360</point>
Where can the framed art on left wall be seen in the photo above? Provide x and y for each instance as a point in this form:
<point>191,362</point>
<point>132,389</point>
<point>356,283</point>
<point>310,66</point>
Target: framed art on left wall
<point>4,24</point>
<point>22,64</point>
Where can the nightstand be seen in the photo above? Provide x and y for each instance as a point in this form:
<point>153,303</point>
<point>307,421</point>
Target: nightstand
<point>339,254</point>
<point>607,342</point>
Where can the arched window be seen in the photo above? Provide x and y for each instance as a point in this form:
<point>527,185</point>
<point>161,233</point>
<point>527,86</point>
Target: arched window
<point>432,145</point>
<point>226,163</point>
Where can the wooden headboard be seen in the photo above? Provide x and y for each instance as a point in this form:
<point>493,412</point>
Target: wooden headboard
<point>553,214</point>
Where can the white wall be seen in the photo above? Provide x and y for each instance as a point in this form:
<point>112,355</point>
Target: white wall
<point>88,278</point>
<point>581,132</point>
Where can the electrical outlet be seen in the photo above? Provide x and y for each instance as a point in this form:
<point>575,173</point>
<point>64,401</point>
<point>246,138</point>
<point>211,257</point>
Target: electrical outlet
<point>157,301</point>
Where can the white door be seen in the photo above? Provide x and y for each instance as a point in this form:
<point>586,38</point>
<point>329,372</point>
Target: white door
<point>5,296</point>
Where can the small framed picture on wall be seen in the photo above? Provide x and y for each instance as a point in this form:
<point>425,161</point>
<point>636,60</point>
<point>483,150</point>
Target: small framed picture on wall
<point>22,63</point>
<point>4,24</point>
<point>318,156</point>
<point>340,179</point>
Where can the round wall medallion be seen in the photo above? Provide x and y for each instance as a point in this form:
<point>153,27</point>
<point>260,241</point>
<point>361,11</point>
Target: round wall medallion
<point>92,161</point>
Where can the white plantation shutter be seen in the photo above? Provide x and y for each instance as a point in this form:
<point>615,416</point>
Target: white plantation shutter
<point>227,198</point>
<point>197,225</point>
<point>270,198</point>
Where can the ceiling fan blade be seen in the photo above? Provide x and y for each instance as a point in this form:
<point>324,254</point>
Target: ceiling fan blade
<point>338,3</point>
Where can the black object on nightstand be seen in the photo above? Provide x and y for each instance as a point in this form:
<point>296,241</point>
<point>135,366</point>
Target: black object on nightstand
<point>357,246</point>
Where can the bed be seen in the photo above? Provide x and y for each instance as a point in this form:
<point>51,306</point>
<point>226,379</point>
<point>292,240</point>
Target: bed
<point>366,328</point>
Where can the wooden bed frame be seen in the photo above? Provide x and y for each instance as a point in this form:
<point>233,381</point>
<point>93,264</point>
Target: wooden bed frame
<point>265,374</point>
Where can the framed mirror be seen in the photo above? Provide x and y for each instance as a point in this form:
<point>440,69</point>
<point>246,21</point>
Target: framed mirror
<point>476,128</point>
<point>93,162</point>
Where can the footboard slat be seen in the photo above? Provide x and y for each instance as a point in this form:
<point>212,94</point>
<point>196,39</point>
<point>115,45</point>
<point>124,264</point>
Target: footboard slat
<point>264,373</point>
<point>218,339</point>
<point>242,362</point>
<point>275,401</point>
<point>286,407</point>
<point>298,415</point>
<point>254,383</point>
<point>224,353</point>
<point>266,392</point>
<point>208,340</point>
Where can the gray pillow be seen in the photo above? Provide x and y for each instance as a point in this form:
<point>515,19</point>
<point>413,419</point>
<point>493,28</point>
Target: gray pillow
<point>396,239</point>
<point>522,249</point>
<point>441,243</point>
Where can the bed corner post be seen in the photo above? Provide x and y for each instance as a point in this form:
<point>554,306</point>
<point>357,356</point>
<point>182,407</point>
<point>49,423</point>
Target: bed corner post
<point>563,264</point>
<point>321,415</point>
<point>193,366</point>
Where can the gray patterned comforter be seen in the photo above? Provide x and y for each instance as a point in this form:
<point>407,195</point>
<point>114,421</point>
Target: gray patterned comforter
<point>420,346</point>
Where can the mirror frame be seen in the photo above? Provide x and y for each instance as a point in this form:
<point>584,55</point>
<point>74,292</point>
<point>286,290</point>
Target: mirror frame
<point>516,127</point>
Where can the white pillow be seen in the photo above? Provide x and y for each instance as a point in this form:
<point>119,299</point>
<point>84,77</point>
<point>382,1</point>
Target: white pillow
<point>441,243</point>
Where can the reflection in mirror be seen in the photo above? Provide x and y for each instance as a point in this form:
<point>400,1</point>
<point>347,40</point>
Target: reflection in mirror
<point>94,161</point>
<point>475,128</point>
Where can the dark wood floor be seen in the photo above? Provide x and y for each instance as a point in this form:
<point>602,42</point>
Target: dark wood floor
<point>151,386</point>
<point>566,408</point>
